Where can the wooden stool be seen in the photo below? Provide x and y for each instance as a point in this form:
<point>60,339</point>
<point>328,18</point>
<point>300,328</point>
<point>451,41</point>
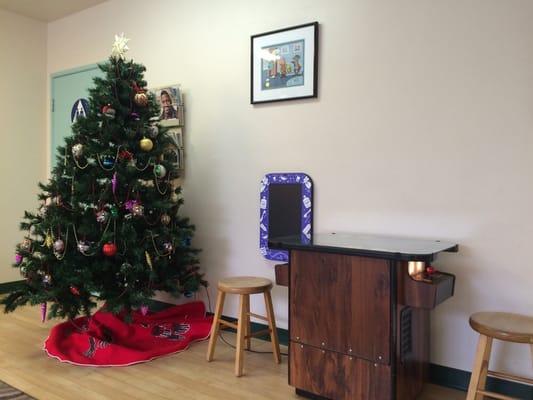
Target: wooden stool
<point>496,325</point>
<point>244,286</point>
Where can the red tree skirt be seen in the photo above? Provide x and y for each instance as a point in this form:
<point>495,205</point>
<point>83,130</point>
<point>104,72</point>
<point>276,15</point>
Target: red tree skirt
<point>105,340</point>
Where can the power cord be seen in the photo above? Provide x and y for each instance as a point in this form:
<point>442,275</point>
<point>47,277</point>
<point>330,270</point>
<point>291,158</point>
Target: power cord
<point>225,341</point>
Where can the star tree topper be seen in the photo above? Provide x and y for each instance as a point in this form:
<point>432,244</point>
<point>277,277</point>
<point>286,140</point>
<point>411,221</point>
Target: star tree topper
<point>120,47</point>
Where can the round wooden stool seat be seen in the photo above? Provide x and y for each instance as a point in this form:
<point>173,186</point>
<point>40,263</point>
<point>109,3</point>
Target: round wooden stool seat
<point>244,285</point>
<point>504,326</point>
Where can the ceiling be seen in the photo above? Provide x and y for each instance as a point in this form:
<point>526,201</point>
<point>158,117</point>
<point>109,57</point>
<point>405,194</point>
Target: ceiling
<point>47,10</point>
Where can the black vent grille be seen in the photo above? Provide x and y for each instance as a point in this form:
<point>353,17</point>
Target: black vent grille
<point>406,334</point>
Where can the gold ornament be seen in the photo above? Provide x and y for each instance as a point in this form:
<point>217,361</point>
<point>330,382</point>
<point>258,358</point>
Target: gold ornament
<point>138,210</point>
<point>49,241</point>
<point>165,219</point>
<point>141,99</point>
<point>77,150</point>
<point>148,259</point>
<point>146,144</point>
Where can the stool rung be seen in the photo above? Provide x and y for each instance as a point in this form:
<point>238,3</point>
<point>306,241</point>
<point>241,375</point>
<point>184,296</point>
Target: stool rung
<point>510,377</point>
<point>259,333</point>
<point>495,395</point>
<point>228,324</point>
<point>257,316</point>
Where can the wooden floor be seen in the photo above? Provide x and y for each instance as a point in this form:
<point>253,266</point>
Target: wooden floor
<point>24,365</point>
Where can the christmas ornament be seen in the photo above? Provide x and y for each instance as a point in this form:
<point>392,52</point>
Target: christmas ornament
<point>160,171</point>
<point>125,268</point>
<point>77,150</point>
<point>74,290</point>
<point>134,116</point>
<point>165,219</point>
<point>125,155</point>
<point>120,47</point>
<point>144,310</point>
<point>146,144</point>
<point>23,271</point>
<point>59,245</point>
<point>48,241</point>
<point>114,182</point>
<point>174,197</point>
<point>168,247</point>
<point>43,312</point>
<point>148,259</point>
<point>109,249</point>
<point>102,216</point>
<point>18,258</point>
<point>153,131</point>
<point>107,161</point>
<point>137,210</point>
<point>48,202</point>
<point>128,205</point>
<point>26,244</point>
<point>47,280</point>
<point>146,183</point>
<point>188,294</point>
<point>83,246</point>
<point>57,200</point>
<point>140,98</point>
<point>113,210</point>
<point>109,111</point>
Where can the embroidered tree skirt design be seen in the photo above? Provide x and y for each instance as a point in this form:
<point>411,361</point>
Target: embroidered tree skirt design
<point>105,340</point>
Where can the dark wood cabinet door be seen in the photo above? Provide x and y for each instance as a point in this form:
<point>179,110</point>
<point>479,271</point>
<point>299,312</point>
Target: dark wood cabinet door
<point>341,303</point>
<point>338,376</point>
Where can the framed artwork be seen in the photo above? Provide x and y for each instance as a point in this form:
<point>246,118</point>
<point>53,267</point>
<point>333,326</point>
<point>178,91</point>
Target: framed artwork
<point>176,134</point>
<point>284,64</point>
<point>170,100</point>
<point>286,209</point>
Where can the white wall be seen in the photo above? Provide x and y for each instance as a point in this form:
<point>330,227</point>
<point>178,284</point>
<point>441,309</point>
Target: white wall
<point>22,127</point>
<point>423,127</point>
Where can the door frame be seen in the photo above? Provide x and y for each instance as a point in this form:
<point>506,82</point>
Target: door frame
<point>53,76</point>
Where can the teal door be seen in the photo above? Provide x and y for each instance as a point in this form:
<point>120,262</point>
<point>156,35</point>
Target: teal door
<point>70,95</point>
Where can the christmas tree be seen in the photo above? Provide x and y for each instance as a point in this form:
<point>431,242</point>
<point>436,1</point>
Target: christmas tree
<point>108,228</point>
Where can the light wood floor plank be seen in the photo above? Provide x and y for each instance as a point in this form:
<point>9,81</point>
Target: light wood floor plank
<point>187,375</point>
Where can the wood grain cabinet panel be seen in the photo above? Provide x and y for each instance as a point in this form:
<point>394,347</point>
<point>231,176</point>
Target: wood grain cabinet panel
<point>341,303</point>
<point>338,376</point>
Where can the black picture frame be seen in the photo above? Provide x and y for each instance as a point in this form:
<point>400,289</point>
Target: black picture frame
<point>284,81</point>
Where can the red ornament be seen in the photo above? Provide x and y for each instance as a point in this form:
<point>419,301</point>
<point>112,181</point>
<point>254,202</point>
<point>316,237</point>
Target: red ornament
<point>125,155</point>
<point>74,290</point>
<point>109,249</point>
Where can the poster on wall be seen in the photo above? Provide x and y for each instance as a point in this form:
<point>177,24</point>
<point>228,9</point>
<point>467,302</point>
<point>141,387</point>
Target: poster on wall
<point>284,64</point>
<point>170,100</point>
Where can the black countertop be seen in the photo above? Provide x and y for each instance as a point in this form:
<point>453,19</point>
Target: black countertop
<point>389,247</point>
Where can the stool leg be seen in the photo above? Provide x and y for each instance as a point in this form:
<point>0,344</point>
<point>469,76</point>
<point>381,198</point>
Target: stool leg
<point>216,325</point>
<point>247,325</point>
<point>240,336</point>
<point>272,326</point>
<point>485,368</point>
<point>480,369</point>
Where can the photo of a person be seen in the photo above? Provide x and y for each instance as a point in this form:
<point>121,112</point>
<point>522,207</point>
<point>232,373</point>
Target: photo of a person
<point>168,110</point>
<point>170,101</point>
